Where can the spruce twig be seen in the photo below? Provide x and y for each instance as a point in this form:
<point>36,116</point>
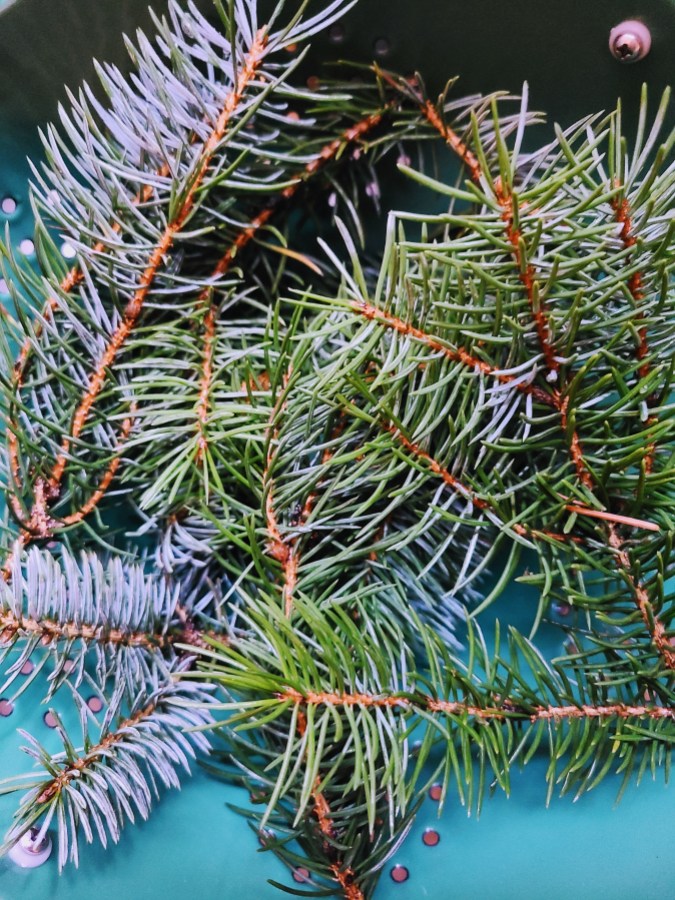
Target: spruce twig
<point>327,475</point>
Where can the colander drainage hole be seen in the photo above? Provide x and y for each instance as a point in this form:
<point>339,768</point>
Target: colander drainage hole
<point>336,35</point>
<point>381,46</point>
<point>399,874</point>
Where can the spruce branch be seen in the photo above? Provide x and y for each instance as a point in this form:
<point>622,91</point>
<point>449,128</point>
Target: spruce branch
<point>501,705</point>
<point>204,156</point>
<point>252,61</point>
<point>93,791</point>
<point>578,169</point>
<point>327,476</point>
<point>79,612</point>
<point>508,202</point>
<point>320,804</point>
<point>326,154</point>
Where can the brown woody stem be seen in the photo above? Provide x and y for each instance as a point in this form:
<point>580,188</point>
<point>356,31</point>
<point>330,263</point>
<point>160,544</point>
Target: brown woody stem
<point>654,626</point>
<point>458,708</point>
<point>279,548</point>
<point>105,482</point>
<point>344,875</point>
<point>528,278</point>
<point>622,211</point>
<point>49,630</point>
<point>51,489</point>
<point>458,354</point>
<point>478,501</point>
<point>72,771</point>
<point>355,133</point>
<point>14,626</point>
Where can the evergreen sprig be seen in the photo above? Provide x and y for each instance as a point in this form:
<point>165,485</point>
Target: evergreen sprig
<point>113,777</point>
<point>472,719</point>
<point>144,191</point>
<point>499,424</point>
<point>327,454</point>
<point>81,613</point>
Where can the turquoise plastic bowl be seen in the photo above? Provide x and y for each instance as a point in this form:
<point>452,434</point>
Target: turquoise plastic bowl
<point>194,845</point>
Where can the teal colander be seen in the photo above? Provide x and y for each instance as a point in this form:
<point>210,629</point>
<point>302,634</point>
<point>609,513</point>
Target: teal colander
<point>194,845</point>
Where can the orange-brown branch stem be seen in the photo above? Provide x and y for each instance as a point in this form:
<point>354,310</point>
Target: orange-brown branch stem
<point>478,501</point>
<point>50,631</point>
<point>344,875</point>
<point>654,626</point>
<point>13,626</point>
<point>135,305</point>
<point>528,278</point>
<point>72,771</point>
<point>459,708</point>
<point>458,354</point>
<point>105,482</point>
<point>206,379</point>
<point>353,134</point>
<point>622,211</point>
<point>457,144</point>
<point>452,139</point>
<point>280,548</point>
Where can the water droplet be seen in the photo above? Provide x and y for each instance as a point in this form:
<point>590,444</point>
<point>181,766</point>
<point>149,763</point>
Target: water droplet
<point>6,708</point>
<point>265,837</point>
<point>562,609</point>
<point>373,190</point>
